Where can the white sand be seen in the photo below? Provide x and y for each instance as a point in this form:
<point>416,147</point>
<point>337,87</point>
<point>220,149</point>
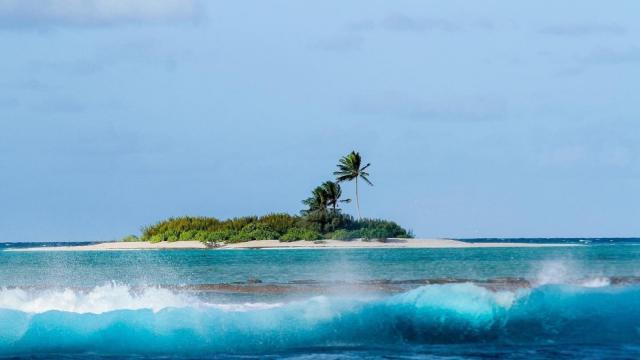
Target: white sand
<point>275,244</point>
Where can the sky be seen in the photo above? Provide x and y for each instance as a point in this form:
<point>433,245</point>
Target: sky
<point>480,118</point>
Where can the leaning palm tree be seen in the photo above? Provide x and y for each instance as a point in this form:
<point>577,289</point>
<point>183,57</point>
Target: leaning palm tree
<point>349,169</point>
<point>317,202</point>
<point>333,193</point>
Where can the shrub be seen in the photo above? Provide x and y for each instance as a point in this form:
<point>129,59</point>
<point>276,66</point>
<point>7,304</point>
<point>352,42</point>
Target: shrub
<point>326,222</point>
<point>280,223</point>
<point>380,229</point>
<point>375,234</point>
<point>254,231</point>
<point>295,234</point>
<point>220,235</point>
<point>239,223</point>
<point>214,238</point>
<point>180,225</point>
<point>199,235</point>
<point>189,235</point>
<point>346,235</point>
<point>156,238</point>
<point>172,235</point>
<point>340,235</point>
<point>130,238</point>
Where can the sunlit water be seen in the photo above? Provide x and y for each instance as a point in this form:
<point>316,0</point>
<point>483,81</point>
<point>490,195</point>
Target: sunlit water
<point>569,302</point>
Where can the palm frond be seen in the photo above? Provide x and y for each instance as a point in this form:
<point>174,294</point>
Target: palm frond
<point>364,177</point>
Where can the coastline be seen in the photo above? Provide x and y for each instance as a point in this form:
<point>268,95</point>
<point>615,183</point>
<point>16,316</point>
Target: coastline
<point>276,244</point>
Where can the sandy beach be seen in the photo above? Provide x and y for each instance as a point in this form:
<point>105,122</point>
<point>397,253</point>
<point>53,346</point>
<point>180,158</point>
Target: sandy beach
<point>275,244</point>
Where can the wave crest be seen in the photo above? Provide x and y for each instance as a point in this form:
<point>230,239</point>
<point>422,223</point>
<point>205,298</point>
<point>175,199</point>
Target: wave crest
<point>99,300</point>
<point>433,314</point>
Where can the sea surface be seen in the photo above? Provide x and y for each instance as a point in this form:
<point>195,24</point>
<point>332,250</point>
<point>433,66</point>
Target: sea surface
<point>574,302</point>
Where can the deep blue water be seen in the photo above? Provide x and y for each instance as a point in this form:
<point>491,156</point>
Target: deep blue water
<point>584,241</point>
<point>24,245</point>
<point>515,303</point>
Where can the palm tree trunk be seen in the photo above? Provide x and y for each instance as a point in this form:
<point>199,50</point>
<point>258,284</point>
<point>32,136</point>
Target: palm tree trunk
<point>358,201</point>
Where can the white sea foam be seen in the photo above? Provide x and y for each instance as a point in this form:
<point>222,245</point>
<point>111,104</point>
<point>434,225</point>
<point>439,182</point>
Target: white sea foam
<point>596,282</point>
<point>111,297</point>
<point>244,307</point>
<point>98,300</point>
<point>553,272</point>
<point>567,272</point>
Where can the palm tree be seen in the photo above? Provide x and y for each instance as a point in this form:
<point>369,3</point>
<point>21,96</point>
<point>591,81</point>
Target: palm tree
<point>333,192</point>
<point>317,202</point>
<point>350,168</point>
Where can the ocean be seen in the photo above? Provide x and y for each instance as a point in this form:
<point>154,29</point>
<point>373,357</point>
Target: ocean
<point>484,303</point>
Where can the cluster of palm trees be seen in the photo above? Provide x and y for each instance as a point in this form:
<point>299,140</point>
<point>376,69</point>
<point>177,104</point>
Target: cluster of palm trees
<point>327,196</point>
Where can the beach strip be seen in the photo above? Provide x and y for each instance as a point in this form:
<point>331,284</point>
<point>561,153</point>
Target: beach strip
<point>276,244</point>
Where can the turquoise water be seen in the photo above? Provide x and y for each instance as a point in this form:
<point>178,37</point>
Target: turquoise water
<point>568,302</point>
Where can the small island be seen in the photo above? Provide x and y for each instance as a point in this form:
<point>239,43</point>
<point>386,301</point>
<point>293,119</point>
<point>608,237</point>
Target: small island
<point>321,219</point>
<point>320,224</point>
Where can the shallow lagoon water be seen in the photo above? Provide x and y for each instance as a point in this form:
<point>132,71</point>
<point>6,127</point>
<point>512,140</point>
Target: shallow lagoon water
<point>225,266</point>
<point>569,302</point>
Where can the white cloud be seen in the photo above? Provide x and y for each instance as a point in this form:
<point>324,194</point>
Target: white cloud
<point>79,13</point>
<point>409,23</point>
<point>584,29</point>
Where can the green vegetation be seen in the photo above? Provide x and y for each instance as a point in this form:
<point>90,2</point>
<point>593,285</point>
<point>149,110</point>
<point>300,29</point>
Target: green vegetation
<point>130,238</point>
<point>350,169</point>
<point>283,227</point>
<point>296,233</point>
<point>325,197</point>
<point>321,219</point>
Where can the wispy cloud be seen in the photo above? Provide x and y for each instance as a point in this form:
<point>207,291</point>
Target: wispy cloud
<point>584,29</point>
<point>26,14</point>
<point>621,153</point>
<point>8,103</point>
<point>356,34</point>
<point>60,105</point>
<point>406,23</point>
<point>473,108</point>
<point>398,22</point>
<point>611,56</point>
<point>146,53</point>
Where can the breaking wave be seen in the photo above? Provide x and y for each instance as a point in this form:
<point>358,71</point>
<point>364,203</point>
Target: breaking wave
<point>117,320</point>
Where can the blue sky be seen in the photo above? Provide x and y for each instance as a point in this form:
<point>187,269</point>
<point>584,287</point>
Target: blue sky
<point>480,118</point>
